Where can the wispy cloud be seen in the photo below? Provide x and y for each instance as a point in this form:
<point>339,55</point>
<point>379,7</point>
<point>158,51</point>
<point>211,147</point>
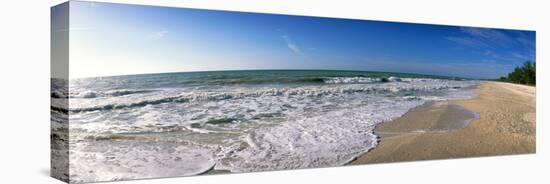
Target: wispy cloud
<point>494,42</point>
<point>531,45</point>
<point>467,41</point>
<point>293,47</point>
<point>509,57</point>
<point>490,53</point>
<point>158,35</point>
<point>521,56</point>
<point>485,33</point>
<point>483,37</point>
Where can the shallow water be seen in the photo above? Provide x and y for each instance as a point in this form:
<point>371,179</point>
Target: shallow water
<point>456,117</point>
<point>179,124</point>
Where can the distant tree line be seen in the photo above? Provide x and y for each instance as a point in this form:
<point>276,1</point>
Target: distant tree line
<point>525,74</point>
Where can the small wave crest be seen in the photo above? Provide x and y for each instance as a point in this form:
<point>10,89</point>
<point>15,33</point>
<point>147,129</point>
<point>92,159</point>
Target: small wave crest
<point>308,91</point>
<point>350,80</point>
<point>113,93</point>
<point>366,80</point>
<point>218,96</point>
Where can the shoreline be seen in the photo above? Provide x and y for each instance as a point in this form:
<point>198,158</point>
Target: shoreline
<point>443,127</point>
<point>430,131</point>
<point>505,125</point>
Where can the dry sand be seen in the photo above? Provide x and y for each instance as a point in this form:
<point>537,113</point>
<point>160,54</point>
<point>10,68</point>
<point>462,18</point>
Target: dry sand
<point>506,125</point>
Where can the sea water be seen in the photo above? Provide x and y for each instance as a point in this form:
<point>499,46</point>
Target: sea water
<point>179,124</point>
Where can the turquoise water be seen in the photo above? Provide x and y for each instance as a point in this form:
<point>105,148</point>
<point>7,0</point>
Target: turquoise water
<point>243,77</point>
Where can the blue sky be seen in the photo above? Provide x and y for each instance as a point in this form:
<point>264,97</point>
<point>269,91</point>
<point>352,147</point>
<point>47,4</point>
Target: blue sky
<point>115,39</point>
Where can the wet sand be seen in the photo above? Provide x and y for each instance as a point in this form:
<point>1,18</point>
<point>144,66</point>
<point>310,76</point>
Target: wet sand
<point>503,123</point>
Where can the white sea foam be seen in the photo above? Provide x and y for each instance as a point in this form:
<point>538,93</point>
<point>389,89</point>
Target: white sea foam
<point>349,80</point>
<point>168,96</point>
<point>239,128</point>
<point>114,160</point>
<point>331,139</point>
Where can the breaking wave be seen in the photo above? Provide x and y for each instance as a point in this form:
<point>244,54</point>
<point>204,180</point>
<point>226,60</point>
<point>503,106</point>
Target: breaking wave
<point>311,91</point>
<point>113,93</point>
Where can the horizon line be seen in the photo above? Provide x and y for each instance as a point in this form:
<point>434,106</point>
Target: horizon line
<point>346,70</point>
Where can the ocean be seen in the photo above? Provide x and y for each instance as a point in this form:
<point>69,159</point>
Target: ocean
<point>180,124</point>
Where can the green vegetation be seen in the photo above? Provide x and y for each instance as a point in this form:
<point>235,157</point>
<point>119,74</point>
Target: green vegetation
<point>525,74</point>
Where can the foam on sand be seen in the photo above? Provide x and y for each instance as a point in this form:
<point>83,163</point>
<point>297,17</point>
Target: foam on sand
<point>117,160</point>
<point>331,139</point>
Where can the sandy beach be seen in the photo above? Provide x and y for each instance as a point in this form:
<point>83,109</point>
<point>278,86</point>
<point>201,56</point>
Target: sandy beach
<point>504,124</point>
